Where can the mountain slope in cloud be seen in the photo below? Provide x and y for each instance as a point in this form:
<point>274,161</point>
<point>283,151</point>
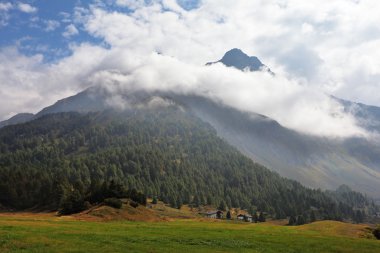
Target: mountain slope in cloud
<point>315,161</point>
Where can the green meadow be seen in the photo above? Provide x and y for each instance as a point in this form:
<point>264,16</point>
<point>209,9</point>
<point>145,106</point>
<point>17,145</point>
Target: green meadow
<point>23,233</point>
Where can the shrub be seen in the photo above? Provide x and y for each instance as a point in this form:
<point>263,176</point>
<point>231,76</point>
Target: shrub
<point>133,203</point>
<point>71,203</point>
<point>292,221</point>
<point>376,232</point>
<point>261,217</point>
<point>136,196</point>
<point>113,202</point>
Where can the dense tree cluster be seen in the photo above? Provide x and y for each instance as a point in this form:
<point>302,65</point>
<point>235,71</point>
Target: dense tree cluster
<point>109,193</point>
<point>65,160</point>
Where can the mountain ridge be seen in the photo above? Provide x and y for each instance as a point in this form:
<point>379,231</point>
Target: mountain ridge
<point>17,119</point>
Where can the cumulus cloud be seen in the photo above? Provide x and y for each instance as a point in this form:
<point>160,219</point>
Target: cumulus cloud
<point>315,48</point>
<point>5,6</point>
<point>132,4</point>
<point>27,8</point>
<point>27,84</point>
<point>4,15</point>
<point>70,30</point>
<point>51,25</point>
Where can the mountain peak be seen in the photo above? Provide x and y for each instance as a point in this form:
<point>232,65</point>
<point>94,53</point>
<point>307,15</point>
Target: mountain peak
<point>235,53</point>
<point>238,59</point>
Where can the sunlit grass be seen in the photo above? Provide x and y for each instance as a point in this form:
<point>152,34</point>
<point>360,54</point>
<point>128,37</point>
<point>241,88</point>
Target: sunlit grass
<point>54,234</point>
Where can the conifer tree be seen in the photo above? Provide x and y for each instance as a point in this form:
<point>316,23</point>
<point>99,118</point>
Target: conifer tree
<point>261,217</point>
<point>228,215</point>
<point>292,221</point>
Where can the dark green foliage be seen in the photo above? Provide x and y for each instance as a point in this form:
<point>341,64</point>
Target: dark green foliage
<point>68,158</point>
<point>292,221</point>
<point>222,206</point>
<point>358,216</point>
<point>376,232</point>
<point>255,218</point>
<point>301,220</point>
<point>261,217</point>
<point>154,200</point>
<point>347,196</point>
<point>179,202</point>
<point>113,202</point>
<point>97,192</point>
<point>133,204</point>
<point>228,215</point>
<point>280,214</point>
<point>73,202</point>
<point>251,210</point>
<point>313,217</point>
<point>136,196</point>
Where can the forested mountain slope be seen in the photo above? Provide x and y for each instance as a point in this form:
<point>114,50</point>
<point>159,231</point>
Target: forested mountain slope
<point>164,152</point>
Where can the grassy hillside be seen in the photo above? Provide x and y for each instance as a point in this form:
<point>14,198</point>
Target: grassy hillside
<point>47,233</point>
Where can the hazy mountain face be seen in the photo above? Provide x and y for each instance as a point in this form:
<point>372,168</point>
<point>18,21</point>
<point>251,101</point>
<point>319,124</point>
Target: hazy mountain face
<point>17,119</point>
<point>314,161</point>
<point>318,162</point>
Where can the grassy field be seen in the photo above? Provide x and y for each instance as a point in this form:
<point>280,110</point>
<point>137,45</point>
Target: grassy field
<point>46,233</point>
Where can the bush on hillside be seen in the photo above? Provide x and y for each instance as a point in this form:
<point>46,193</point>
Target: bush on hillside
<point>376,232</point>
<point>113,202</point>
<point>133,204</point>
<point>71,203</point>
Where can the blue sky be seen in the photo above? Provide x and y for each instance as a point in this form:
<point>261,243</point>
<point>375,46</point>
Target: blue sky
<point>47,26</point>
<point>40,31</point>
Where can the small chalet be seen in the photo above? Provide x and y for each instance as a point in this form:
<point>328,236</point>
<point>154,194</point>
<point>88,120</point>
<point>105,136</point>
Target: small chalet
<point>240,217</point>
<point>245,217</point>
<point>215,214</point>
<point>248,218</point>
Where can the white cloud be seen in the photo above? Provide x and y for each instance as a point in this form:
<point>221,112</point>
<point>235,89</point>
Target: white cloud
<point>131,4</point>
<point>70,31</point>
<point>51,25</point>
<point>27,8</point>
<point>66,17</point>
<point>293,105</point>
<point>315,47</point>
<point>5,6</point>
<point>27,84</point>
<point>4,15</point>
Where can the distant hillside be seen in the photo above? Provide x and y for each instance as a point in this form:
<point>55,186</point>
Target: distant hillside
<point>163,152</point>
<point>17,119</point>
